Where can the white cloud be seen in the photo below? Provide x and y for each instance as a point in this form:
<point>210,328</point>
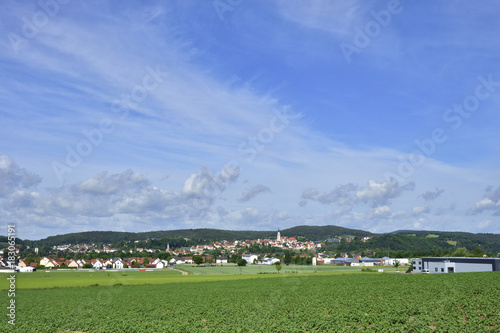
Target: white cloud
<point>13,177</point>
<point>249,194</point>
<point>430,195</point>
<point>418,210</point>
<point>490,202</point>
<point>380,193</point>
<point>336,18</point>
<point>484,224</point>
<point>382,212</point>
<point>341,195</point>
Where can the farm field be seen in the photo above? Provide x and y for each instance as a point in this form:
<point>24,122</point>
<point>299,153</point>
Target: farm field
<point>289,303</point>
<point>231,269</point>
<point>85,278</point>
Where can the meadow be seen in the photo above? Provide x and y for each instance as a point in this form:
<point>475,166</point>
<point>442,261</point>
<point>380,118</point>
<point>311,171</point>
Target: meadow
<point>233,269</point>
<point>85,278</point>
<point>296,302</point>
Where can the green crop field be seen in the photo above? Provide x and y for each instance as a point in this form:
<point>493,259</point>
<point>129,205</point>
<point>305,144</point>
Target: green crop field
<point>231,269</point>
<point>258,303</point>
<point>86,278</point>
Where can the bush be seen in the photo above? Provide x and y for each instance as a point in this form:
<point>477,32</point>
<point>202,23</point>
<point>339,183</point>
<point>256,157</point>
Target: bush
<point>367,269</point>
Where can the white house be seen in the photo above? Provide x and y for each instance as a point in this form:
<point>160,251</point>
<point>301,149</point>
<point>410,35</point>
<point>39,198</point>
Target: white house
<point>221,260</point>
<point>28,269</point>
<point>81,262</point>
<point>118,264</point>
<point>269,261</point>
<point>44,261</point>
<point>250,258</point>
<point>160,264</point>
<point>391,261</point>
<point>108,262</point>
<point>97,263</point>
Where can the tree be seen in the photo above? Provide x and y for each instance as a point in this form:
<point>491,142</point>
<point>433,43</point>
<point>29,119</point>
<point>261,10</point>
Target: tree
<point>87,265</point>
<point>288,258</point>
<point>396,264</point>
<point>477,252</point>
<point>198,260</point>
<point>109,266</point>
<point>460,252</point>
<point>242,262</point>
<point>278,266</point>
<point>145,261</point>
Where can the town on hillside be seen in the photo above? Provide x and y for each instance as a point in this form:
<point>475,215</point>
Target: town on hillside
<point>282,249</point>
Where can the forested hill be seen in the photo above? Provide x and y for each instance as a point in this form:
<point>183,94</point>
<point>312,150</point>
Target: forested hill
<point>323,232</point>
<point>398,240</point>
<point>200,235</point>
<point>488,242</point>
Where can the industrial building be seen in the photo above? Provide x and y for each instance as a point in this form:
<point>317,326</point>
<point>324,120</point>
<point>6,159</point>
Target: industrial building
<point>455,265</point>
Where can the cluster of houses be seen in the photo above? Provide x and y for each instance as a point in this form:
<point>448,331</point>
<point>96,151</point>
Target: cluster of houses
<point>280,242</point>
<point>132,262</point>
<point>116,263</point>
<point>184,256</point>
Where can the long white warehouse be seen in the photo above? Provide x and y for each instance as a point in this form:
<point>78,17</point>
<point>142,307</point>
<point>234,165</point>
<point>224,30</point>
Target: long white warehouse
<point>455,264</point>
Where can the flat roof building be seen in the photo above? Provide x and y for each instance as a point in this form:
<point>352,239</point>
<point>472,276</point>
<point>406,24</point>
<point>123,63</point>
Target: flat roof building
<point>455,264</point>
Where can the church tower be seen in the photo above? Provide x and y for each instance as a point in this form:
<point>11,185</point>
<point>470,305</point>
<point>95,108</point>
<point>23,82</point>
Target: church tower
<point>278,237</point>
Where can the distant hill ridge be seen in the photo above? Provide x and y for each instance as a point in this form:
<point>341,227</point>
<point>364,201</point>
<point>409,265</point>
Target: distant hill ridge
<point>439,239</point>
<point>201,234</point>
<point>314,233</point>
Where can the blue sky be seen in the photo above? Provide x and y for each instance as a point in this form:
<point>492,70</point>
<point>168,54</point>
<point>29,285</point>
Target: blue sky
<point>130,116</point>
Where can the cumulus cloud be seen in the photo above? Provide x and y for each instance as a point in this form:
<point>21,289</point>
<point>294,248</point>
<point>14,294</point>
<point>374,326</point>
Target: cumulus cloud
<point>249,194</point>
<point>484,224</point>
<point>102,184</point>
<point>13,177</point>
<point>418,210</point>
<point>382,212</point>
<point>127,198</point>
<point>105,195</point>
<point>206,184</point>
<point>201,189</point>
<point>340,195</point>
<point>430,195</point>
<point>379,194</point>
<point>491,201</point>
